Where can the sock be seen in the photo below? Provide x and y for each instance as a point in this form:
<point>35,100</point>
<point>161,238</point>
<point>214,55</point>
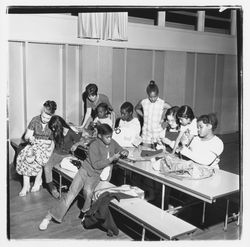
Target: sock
<point>50,186</point>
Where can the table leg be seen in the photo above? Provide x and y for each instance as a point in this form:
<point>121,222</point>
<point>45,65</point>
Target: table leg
<point>143,233</point>
<point>124,179</point>
<point>226,216</point>
<point>60,185</point>
<point>163,196</point>
<point>203,213</point>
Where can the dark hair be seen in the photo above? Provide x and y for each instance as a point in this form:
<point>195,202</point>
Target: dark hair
<point>56,124</point>
<point>51,106</point>
<point>104,129</point>
<point>185,111</point>
<point>91,89</point>
<point>172,111</point>
<point>210,118</point>
<point>127,106</point>
<point>152,87</point>
<point>104,106</point>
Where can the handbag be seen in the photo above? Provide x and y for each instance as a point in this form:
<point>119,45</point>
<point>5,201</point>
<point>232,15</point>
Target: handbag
<point>80,153</point>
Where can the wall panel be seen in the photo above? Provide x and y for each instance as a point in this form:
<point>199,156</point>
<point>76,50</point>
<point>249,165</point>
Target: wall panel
<point>204,84</point>
<point>218,89</point>
<point>89,65</point>
<point>118,79</point>
<point>229,110</point>
<point>44,77</point>
<point>73,95</point>
<point>190,79</point>
<point>105,71</point>
<point>16,91</point>
<point>139,73</point>
<point>159,71</point>
<point>175,72</point>
<point>89,68</point>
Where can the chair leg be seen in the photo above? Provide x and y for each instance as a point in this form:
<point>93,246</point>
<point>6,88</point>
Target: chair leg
<point>203,213</point>
<point>238,220</point>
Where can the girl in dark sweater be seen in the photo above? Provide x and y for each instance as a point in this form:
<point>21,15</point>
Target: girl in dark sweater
<point>103,152</point>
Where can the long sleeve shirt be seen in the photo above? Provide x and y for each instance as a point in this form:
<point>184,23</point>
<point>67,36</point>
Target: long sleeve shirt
<point>97,158</point>
<point>69,140</point>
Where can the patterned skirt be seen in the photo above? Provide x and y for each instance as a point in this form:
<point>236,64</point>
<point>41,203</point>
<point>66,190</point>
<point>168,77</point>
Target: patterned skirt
<point>33,157</point>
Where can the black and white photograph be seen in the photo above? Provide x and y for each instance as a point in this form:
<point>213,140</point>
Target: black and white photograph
<point>123,122</point>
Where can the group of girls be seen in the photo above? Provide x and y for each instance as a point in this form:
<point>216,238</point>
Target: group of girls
<point>175,127</point>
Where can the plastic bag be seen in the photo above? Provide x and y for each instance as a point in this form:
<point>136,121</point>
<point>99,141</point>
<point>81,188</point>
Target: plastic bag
<point>172,165</point>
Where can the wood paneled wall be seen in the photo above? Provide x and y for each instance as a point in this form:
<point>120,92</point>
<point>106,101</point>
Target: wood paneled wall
<point>202,81</point>
<point>206,82</point>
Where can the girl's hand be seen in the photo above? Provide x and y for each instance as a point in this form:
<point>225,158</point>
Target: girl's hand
<point>124,153</point>
<point>32,139</point>
<point>78,129</point>
<point>166,141</point>
<point>159,140</point>
<point>73,148</point>
<point>92,124</point>
<point>115,157</point>
<point>184,140</point>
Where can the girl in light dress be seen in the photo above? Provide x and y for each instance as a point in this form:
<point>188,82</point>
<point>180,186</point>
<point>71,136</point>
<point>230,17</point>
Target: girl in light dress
<point>152,110</point>
<point>35,155</point>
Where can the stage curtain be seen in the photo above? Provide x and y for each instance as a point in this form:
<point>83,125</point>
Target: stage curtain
<point>104,26</point>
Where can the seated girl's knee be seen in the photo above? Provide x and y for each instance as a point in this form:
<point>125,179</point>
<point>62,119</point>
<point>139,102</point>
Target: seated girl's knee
<point>88,192</point>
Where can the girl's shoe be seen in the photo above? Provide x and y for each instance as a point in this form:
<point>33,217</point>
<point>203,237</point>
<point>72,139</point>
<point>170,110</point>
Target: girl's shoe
<point>24,191</point>
<point>55,193</point>
<point>36,187</point>
<point>44,224</point>
<point>82,216</point>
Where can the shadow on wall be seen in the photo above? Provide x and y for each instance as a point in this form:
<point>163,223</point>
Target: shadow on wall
<point>230,158</point>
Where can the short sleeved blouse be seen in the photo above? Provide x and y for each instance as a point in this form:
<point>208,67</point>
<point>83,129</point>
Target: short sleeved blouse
<point>102,98</point>
<point>39,132</point>
<point>190,128</point>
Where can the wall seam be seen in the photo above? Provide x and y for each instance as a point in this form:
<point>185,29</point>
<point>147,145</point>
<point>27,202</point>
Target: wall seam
<point>195,81</point>
<point>215,81</point>
<point>24,78</point>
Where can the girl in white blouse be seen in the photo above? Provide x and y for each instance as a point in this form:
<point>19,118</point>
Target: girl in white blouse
<point>205,148</point>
